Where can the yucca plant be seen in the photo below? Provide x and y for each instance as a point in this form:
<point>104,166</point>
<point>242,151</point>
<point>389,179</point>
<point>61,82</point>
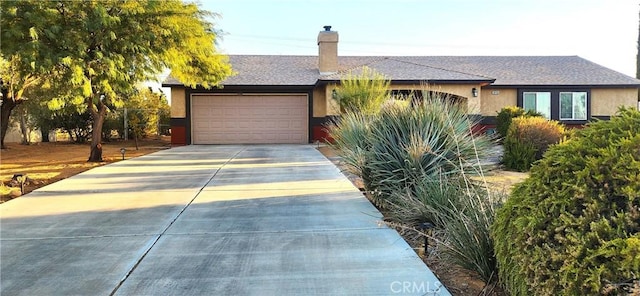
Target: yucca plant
<point>350,135</point>
<point>426,140</point>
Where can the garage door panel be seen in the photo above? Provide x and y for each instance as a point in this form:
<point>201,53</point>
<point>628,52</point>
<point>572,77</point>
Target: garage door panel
<point>246,119</point>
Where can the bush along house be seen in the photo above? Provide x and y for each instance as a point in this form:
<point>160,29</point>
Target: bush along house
<point>287,99</point>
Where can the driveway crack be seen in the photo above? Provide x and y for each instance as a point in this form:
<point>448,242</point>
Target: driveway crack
<point>155,240</point>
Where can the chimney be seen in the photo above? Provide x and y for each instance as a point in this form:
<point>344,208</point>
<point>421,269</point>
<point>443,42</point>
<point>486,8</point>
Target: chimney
<point>327,51</point>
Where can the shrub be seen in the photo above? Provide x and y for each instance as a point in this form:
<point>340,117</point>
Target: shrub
<point>527,140</point>
<point>350,135</point>
<point>506,114</point>
<point>402,144</point>
<point>572,228</point>
<point>365,93</point>
<point>462,211</point>
<point>425,140</point>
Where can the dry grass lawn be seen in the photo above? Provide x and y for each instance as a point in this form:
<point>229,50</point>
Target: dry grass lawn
<point>46,163</point>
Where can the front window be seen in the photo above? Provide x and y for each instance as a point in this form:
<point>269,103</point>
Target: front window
<point>538,102</point>
<point>573,106</point>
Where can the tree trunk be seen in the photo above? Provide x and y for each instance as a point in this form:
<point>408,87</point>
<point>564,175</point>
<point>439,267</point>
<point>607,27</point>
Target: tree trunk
<point>5,113</point>
<point>45,135</point>
<point>26,133</point>
<point>638,59</point>
<point>98,115</point>
<point>70,133</point>
<point>135,138</point>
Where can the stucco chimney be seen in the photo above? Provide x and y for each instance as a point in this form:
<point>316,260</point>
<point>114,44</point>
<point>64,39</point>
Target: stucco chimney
<point>327,51</point>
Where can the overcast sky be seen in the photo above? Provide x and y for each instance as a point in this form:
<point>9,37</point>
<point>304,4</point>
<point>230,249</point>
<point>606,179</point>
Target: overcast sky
<point>603,31</point>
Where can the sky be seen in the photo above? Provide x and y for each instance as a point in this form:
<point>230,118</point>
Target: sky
<point>602,31</point>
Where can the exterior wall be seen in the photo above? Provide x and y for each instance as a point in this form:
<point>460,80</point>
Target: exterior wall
<point>319,102</point>
<point>605,102</point>
<point>496,99</point>
<point>178,104</point>
<point>462,90</point>
<point>324,105</point>
<point>14,135</point>
<point>178,116</point>
<point>323,102</point>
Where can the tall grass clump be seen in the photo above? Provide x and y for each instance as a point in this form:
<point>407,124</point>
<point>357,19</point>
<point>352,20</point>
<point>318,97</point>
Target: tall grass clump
<point>462,210</point>
<point>364,92</point>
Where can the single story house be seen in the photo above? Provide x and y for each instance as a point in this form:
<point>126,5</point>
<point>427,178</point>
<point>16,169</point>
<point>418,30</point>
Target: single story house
<point>287,99</point>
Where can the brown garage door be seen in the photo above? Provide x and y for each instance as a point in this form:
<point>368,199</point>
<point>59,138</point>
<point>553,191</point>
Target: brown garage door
<point>249,119</point>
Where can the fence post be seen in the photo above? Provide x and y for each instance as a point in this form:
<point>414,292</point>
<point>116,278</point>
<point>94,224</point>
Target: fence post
<point>126,126</point>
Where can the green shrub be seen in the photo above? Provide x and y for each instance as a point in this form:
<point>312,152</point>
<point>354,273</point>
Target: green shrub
<point>506,114</point>
<point>527,140</point>
<point>573,227</point>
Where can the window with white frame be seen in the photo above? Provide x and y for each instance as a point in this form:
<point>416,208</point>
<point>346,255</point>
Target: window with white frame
<point>537,101</point>
<point>573,106</point>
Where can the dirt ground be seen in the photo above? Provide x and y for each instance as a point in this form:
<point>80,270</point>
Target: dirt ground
<point>46,163</point>
<point>458,281</point>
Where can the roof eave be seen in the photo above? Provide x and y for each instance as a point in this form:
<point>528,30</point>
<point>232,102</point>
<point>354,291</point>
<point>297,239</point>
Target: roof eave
<point>564,85</point>
<point>421,81</point>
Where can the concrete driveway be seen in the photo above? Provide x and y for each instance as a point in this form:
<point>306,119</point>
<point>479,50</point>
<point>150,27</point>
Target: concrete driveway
<point>206,220</point>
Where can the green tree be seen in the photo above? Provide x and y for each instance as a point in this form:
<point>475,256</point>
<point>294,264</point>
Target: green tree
<point>638,58</point>
<point>149,107</point>
<point>14,84</point>
<point>104,48</point>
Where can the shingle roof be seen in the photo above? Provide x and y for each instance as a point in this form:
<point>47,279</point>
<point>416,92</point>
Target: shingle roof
<point>404,69</point>
<point>501,70</point>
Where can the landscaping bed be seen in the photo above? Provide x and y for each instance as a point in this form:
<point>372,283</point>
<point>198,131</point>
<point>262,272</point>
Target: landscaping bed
<point>458,280</point>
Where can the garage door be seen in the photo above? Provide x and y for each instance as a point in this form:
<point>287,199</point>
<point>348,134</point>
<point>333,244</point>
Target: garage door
<point>249,119</point>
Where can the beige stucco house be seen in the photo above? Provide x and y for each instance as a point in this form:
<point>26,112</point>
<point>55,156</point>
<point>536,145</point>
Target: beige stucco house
<point>288,99</point>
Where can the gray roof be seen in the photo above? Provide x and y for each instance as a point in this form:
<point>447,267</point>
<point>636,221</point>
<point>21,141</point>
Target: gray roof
<point>498,70</point>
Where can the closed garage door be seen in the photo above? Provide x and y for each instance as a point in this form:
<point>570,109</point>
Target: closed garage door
<point>250,119</point>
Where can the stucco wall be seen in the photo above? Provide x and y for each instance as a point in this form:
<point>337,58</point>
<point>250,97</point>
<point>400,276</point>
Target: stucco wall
<point>178,105</point>
<point>323,103</point>
<point>319,102</point>
<point>462,90</point>
<point>495,99</point>
<point>605,102</point>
